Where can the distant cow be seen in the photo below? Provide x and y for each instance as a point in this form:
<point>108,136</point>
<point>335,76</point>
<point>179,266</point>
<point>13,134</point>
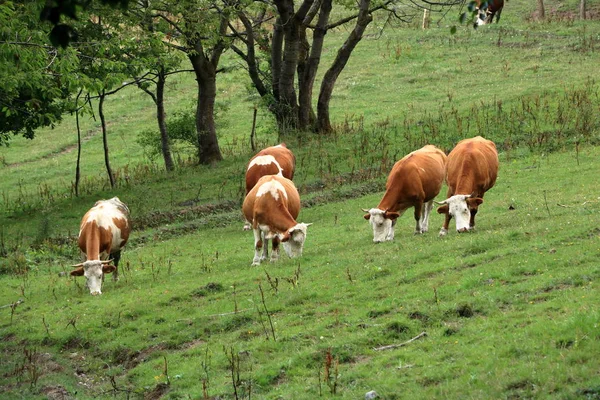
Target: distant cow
<point>274,160</point>
<point>471,171</point>
<point>414,181</point>
<point>271,207</point>
<point>486,10</point>
<point>104,230</point>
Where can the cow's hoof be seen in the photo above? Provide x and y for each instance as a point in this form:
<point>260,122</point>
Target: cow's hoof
<point>443,232</point>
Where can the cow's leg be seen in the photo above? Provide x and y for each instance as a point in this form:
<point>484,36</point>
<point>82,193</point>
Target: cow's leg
<point>275,252</point>
<point>258,245</point>
<point>265,249</point>
<point>418,217</point>
<point>472,220</point>
<point>390,235</point>
<point>425,218</point>
<point>444,230</point>
<point>498,15</point>
<point>116,257</point>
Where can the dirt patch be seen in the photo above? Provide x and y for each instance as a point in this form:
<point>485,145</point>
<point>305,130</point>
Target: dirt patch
<point>159,391</point>
<point>139,357</point>
<point>56,393</point>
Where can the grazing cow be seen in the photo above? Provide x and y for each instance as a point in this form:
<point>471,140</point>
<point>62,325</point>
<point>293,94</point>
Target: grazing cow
<point>486,9</point>
<point>272,207</point>
<point>274,160</point>
<point>414,181</point>
<point>104,230</point>
<point>471,171</point>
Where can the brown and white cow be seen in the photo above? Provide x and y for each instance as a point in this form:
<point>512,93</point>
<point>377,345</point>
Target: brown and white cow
<point>271,207</point>
<point>274,160</point>
<point>472,170</point>
<point>486,10</point>
<point>414,181</point>
<point>104,230</point>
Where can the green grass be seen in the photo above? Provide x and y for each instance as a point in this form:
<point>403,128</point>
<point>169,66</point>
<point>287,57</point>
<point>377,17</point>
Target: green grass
<point>510,311</point>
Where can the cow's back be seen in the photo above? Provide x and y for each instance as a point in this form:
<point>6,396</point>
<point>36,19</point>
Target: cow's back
<point>419,172</point>
<point>273,160</point>
<point>472,167</point>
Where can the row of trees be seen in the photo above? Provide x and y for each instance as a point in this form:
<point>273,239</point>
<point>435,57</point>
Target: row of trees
<point>54,65</point>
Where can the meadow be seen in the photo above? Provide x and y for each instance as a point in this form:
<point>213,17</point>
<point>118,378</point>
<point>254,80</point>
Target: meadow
<point>508,311</point>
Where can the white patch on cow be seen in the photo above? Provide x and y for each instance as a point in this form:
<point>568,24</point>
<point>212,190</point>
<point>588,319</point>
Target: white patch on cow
<point>273,188</point>
<point>459,210</point>
<point>294,246</point>
<point>482,18</point>
<point>423,224</point>
<point>383,228</point>
<point>266,160</point>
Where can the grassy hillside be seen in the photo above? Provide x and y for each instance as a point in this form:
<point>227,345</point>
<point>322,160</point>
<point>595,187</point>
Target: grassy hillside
<point>509,311</point>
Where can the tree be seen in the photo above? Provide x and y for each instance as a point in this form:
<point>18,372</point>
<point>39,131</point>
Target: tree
<point>541,11</point>
<point>197,28</point>
<point>36,78</point>
<point>275,61</point>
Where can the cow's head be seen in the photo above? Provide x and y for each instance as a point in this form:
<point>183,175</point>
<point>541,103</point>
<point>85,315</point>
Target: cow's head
<point>293,239</point>
<point>382,222</point>
<point>482,17</point>
<point>93,272</point>
<point>461,207</point>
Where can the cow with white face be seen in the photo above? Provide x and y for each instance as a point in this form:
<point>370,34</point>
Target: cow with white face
<point>414,181</point>
<point>274,160</point>
<point>486,10</point>
<point>271,207</point>
<point>471,171</point>
<point>104,230</point>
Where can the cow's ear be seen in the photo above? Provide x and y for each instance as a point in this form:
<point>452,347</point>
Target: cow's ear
<point>107,269</point>
<point>77,272</point>
<point>392,215</point>
<point>474,202</point>
<point>443,209</point>
<point>367,216</point>
<point>284,237</point>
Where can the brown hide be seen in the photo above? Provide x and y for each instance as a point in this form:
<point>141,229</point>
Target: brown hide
<point>472,167</point>
<point>415,179</point>
<point>284,157</point>
<point>278,214</point>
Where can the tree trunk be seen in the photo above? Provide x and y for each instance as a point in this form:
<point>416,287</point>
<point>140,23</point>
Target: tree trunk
<point>541,12</point>
<point>306,77</point>
<point>328,83</point>
<point>206,77</point>
<point>162,125</point>
<point>288,105</point>
<point>582,9</point>
<point>105,139</point>
<point>77,166</point>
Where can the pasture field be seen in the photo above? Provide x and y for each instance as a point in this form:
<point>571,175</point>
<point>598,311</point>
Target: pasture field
<point>509,311</point>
